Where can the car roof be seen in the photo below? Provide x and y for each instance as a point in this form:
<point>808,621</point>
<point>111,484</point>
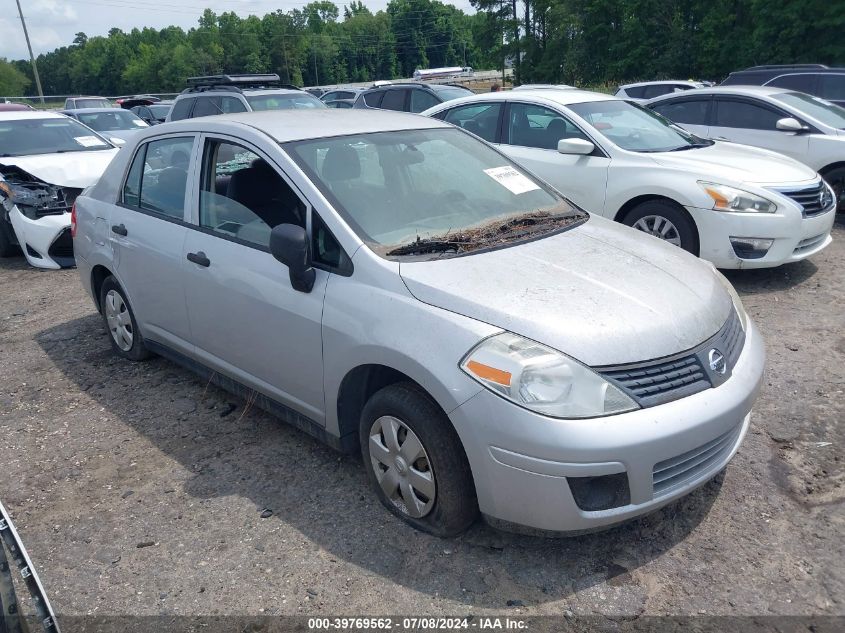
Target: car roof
<point>663,82</point>
<point>296,125</point>
<point>30,114</point>
<point>738,90</point>
<point>560,97</point>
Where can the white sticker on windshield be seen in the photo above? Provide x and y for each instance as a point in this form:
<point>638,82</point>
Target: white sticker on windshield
<point>511,179</point>
<point>139,123</point>
<point>88,141</point>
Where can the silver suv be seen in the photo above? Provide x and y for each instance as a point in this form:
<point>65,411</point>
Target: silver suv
<point>394,285</point>
<point>227,94</point>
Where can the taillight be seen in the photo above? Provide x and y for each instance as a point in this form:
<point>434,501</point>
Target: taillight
<point>73,220</point>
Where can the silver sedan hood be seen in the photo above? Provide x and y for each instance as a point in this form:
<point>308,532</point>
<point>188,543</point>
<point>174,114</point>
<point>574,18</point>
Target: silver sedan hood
<point>600,292</point>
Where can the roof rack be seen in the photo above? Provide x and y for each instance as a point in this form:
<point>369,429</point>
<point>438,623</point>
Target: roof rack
<point>236,83</point>
<point>787,66</point>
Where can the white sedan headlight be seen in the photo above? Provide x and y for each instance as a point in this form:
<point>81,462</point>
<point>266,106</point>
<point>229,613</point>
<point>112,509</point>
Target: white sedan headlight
<point>542,379</point>
<point>727,198</point>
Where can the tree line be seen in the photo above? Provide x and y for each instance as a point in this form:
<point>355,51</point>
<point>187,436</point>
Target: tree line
<point>582,42</point>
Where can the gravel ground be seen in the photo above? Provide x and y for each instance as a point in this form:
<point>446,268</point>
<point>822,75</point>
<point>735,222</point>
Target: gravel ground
<point>139,489</point>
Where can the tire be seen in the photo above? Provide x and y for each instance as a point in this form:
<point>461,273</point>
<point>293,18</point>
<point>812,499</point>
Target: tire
<point>652,216</point>
<point>448,506</point>
<point>125,337</point>
<point>836,179</point>
<point>8,248</point>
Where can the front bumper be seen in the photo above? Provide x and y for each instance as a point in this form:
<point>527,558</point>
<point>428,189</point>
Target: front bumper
<point>795,237</point>
<point>520,460</point>
<point>46,241</point>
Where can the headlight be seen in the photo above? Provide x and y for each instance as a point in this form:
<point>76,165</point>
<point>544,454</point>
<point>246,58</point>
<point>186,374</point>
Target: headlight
<point>740,309</point>
<point>727,198</point>
<point>542,379</point>
<point>18,194</point>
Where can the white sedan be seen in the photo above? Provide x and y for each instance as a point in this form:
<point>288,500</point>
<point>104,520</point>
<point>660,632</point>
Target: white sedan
<point>736,206</point>
<point>46,160</point>
<point>801,126</point>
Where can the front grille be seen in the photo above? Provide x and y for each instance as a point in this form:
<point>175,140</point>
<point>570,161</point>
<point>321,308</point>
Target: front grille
<point>674,377</point>
<point>810,199</point>
<point>672,473</point>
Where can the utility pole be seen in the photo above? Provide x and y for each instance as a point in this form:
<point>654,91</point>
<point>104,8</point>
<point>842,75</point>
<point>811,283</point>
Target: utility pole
<point>31,56</point>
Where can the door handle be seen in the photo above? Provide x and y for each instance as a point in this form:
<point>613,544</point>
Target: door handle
<point>199,258</point>
<point>119,229</point>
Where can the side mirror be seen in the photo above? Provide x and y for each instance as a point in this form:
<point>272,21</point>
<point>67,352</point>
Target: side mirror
<point>575,146</point>
<point>788,124</point>
<point>289,244</point>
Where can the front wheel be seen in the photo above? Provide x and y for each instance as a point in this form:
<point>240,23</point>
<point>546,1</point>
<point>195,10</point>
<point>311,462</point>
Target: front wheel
<point>415,461</point>
<point>665,220</point>
<point>126,339</point>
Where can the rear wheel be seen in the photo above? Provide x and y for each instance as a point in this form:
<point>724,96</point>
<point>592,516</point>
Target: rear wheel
<point>836,179</point>
<point>415,461</point>
<point>123,330</point>
<point>665,220</point>
<point>8,248</point>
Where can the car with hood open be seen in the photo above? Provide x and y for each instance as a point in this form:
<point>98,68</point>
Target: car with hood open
<point>393,285</point>
<point>736,206</point>
<point>46,160</point>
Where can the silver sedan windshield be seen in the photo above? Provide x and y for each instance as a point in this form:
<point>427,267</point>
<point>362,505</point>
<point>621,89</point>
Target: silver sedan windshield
<point>425,186</point>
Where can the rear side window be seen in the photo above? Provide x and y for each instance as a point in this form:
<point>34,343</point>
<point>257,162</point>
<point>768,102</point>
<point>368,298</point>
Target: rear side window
<point>832,87</point>
<point>373,99</point>
<point>206,106</point>
<point>182,109</point>
<point>394,100</point>
<point>741,114</point>
<point>422,100</point>
<point>657,90</point>
<point>801,83</point>
<point>158,177</point>
<point>635,92</point>
<point>689,111</point>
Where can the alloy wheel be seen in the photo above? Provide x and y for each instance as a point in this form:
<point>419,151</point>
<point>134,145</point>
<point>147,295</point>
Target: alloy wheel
<point>119,321</point>
<point>402,467</point>
<point>658,226</point>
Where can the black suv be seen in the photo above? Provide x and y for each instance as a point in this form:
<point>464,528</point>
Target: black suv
<point>814,79</point>
<point>224,94</point>
<point>409,97</point>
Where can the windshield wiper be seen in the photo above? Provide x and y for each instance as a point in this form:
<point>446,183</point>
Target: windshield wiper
<point>691,146</point>
<point>422,247</point>
<point>490,234</point>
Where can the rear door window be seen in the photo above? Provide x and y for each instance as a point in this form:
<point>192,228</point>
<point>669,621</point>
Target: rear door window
<point>689,111</point>
<point>394,100</point>
<point>206,106</point>
<point>657,90</point>
<point>182,109</point>
<point>635,92</point>
<point>373,99</point>
<point>157,180</point>
<point>745,115</point>
<point>422,100</point>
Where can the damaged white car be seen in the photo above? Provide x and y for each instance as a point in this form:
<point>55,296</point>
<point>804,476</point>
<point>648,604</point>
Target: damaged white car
<point>46,160</point>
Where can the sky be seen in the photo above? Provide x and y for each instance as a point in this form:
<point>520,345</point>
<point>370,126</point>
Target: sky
<point>54,23</point>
